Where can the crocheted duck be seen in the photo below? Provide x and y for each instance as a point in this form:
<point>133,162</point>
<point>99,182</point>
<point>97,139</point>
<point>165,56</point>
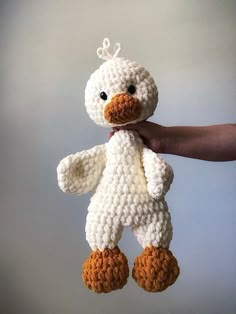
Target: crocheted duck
<point>129,180</point>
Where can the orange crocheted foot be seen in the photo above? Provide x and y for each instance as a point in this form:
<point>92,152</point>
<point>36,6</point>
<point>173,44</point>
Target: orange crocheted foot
<point>155,269</point>
<point>105,271</point>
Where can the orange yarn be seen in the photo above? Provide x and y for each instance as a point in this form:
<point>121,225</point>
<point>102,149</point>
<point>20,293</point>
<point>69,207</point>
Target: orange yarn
<point>155,269</point>
<point>122,108</point>
<point>105,271</point>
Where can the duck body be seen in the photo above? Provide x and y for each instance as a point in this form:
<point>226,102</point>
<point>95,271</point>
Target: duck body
<point>122,199</point>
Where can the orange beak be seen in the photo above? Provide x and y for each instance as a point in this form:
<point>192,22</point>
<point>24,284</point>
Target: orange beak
<point>122,108</point>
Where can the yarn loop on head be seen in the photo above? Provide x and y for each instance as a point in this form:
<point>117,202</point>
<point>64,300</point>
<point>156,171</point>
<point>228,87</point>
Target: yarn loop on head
<point>103,52</point>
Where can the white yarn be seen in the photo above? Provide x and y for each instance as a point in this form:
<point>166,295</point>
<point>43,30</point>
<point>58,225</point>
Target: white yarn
<point>158,173</point>
<point>114,77</point>
<point>130,191</point>
<point>129,180</point>
<point>80,173</point>
<point>103,52</point>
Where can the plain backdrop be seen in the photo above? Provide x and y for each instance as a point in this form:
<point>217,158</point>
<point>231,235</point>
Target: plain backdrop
<point>48,51</point>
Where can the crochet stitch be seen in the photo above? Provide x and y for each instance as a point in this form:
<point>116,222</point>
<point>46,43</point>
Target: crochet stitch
<point>129,180</point>
<point>105,271</point>
<point>155,269</point>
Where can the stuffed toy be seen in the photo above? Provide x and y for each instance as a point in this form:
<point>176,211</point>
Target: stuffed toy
<point>128,179</point>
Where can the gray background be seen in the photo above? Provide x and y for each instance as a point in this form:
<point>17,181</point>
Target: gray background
<point>47,54</point>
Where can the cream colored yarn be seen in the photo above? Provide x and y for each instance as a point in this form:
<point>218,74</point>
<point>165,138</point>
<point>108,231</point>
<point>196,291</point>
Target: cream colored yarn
<point>113,77</point>
<point>129,180</point>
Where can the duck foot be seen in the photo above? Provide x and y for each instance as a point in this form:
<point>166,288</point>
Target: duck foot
<point>155,269</point>
<point>105,271</point>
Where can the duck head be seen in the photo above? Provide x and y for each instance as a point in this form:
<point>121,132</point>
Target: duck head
<point>120,91</point>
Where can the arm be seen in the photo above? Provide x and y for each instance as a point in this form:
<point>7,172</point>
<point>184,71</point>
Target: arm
<point>159,174</point>
<point>213,143</point>
<point>80,173</point>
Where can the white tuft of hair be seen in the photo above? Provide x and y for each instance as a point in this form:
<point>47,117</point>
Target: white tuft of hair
<point>104,53</point>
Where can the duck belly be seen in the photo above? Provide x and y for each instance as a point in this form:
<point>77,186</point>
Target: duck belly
<point>122,191</point>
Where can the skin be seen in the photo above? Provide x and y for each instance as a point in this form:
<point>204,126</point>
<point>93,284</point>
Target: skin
<point>212,143</point>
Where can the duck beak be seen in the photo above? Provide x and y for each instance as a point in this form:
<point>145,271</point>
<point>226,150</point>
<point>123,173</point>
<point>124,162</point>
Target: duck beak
<point>122,108</point>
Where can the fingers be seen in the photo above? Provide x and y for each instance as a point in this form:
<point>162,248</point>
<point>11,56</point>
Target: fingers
<point>135,126</point>
<point>144,128</point>
<point>110,134</point>
<point>151,133</point>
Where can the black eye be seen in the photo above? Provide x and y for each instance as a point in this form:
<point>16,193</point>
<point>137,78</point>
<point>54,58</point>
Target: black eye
<point>103,95</point>
<point>131,89</point>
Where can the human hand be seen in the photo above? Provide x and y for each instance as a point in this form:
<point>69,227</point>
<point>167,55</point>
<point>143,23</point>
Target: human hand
<point>212,143</point>
<point>151,133</point>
